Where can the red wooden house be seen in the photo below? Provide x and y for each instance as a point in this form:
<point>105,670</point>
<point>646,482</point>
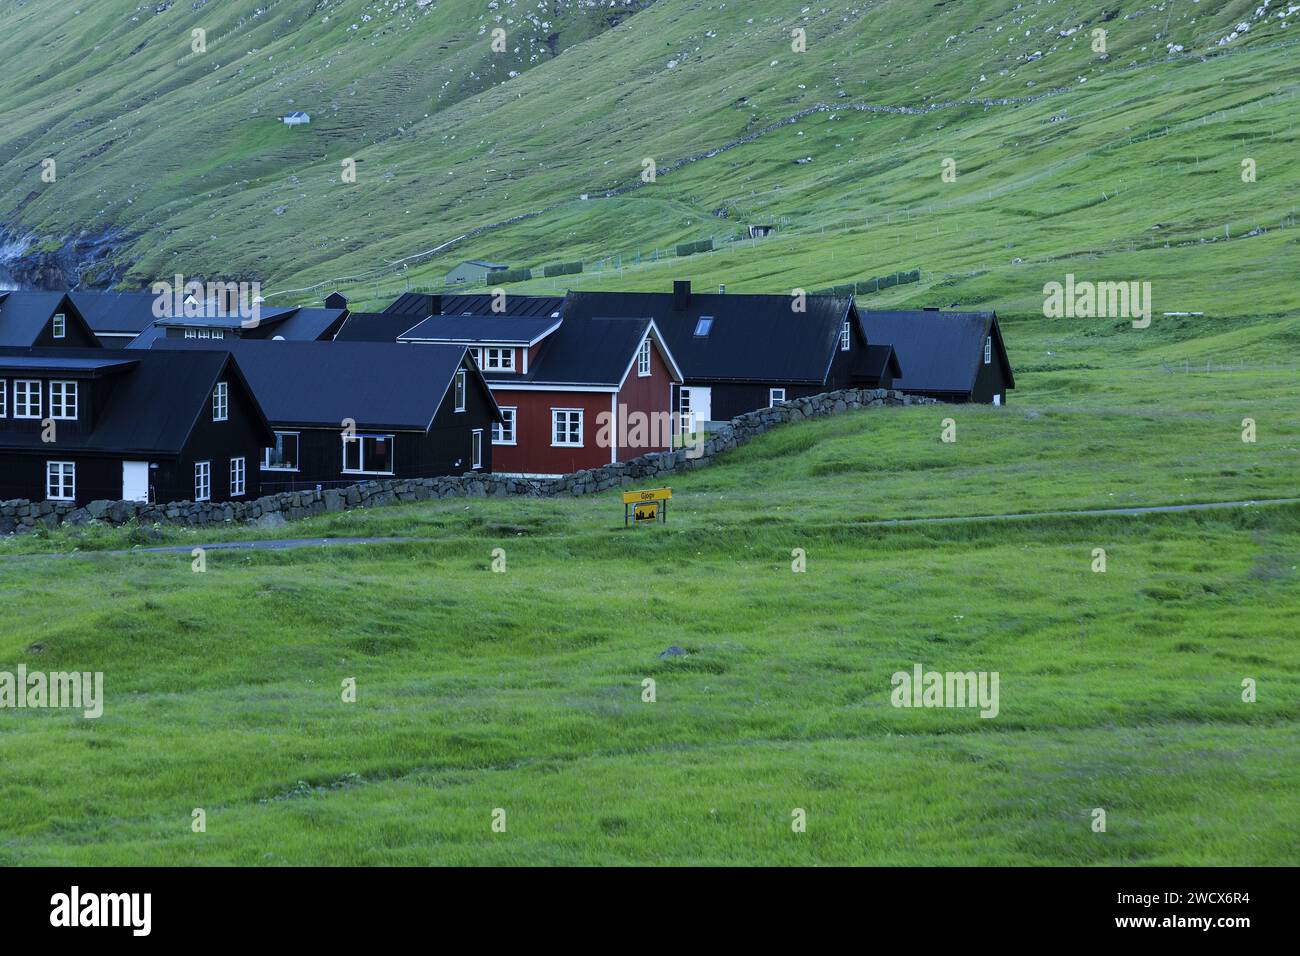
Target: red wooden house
<point>574,394</point>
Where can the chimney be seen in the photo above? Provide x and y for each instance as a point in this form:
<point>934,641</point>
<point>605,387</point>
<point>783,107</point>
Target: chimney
<point>722,288</point>
<point>931,308</point>
<point>681,295</point>
<point>335,300</point>
<point>435,303</point>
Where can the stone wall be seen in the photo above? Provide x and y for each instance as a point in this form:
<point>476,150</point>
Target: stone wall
<point>273,510</point>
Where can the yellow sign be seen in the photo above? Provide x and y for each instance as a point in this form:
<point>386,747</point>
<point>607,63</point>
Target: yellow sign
<point>636,497</point>
<point>647,512</point>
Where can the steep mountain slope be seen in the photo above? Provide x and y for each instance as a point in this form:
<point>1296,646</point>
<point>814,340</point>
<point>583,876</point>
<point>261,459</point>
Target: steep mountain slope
<point>1065,156</point>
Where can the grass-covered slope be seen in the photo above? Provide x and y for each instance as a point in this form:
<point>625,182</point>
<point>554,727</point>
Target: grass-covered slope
<point>1119,165</point>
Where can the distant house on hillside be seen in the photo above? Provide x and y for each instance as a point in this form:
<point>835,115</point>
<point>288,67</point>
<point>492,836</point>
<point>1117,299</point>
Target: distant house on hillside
<point>739,353</point>
<point>296,118</point>
<point>951,356</point>
<point>761,232</point>
<point>473,272</point>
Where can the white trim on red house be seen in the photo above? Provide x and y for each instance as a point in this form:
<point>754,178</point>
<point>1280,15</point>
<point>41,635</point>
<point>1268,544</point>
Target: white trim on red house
<point>667,356</point>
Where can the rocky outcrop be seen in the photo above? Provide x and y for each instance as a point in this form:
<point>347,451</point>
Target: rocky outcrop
<point>272,510</point>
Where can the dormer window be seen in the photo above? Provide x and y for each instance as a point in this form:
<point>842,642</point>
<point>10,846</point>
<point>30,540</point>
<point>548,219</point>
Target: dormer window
<point>846,336</point>
<point>499,360</point>
<point>60,326</point>
<point>221,402</point>
<point>988,350</point>
<point>703,325</point>
<point>63,400</point>
<point>643,360</point>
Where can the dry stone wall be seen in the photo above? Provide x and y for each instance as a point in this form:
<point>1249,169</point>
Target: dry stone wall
<point>24,516</point>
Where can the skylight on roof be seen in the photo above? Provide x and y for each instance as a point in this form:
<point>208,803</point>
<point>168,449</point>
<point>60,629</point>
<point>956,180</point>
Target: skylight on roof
<point>703,325</point>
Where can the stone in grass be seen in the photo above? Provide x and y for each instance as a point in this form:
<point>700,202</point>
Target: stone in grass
<point>673,651</point>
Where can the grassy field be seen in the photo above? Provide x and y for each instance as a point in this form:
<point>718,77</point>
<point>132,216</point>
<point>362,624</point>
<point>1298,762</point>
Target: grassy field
<point>523,690</point>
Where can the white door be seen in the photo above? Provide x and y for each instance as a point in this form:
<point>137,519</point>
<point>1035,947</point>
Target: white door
<point>997,399</point>
<point>701,404</point>
<point>135,481</point>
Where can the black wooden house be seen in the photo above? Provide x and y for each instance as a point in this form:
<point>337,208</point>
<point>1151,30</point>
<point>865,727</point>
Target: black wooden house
<point>344,412</point>
<point>79,425</point>
<point>951,356</point>
<point>738,353</point>
<point>43,319</point>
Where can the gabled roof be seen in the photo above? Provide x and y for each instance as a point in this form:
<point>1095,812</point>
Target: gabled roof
<point>752,338</point>
<point>593,352</point>
<point>375,327</point>
<point>266,317</point>
<point>481,329</point>
<point>154,402</point>
<point>482,304</point>
<point>937,351</point>
<point>320,384</point>
<point>877,360</point>
<point>24,314</point>
<point>116,312</point>
<point>485,263</point>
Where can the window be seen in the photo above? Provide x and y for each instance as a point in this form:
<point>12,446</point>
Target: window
<point>203,481</point>
<point>4,398</point>
<point>218,334</point>
<point>988,350</point>
<point>60,326</point>
<point>237,474</point>
<point>205,334</point>
<point>500,360</point>
<point>846,336</point>
<point>643,360</point>
<point>476,448</point>
<point>191,334</point>
<point>703,325</point>
<point>63,400</point>
<point>566,427</point>
<point>460,390</point>
<point>503,432</point>
<point>27,398</point>
<point>776,395</point>
<point>221,402</point>
<point>284,456</point>
<point>478,356</point>
<point>368,454</point>
<point>684,401</point>
<point>61,480</point>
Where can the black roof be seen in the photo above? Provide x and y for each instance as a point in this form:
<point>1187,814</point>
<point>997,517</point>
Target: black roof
<point>587,351</point>
<point>481,304</point>
<point>876,360</point>
<point>474,329</point>
<point>155,401</point>
<point>418,304</point>
<point>24,314</point>
<point>753,338</point>
<point>937,351</point>
<point>375,327</point>
<point>302,325</point>
<point>320,384</point>
<point>120,312</point>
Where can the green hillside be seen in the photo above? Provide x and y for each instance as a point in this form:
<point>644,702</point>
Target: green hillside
<point>1125,164</point>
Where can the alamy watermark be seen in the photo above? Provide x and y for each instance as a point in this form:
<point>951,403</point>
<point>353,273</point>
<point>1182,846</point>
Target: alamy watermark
<point>37,690</point>
<point>922,688</point>
<point>212,300</point>
<point>1098,300</point>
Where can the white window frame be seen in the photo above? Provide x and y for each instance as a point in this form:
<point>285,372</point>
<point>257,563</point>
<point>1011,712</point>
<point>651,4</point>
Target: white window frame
<point>62,395</point>
<point>988,350</point>
<point>191,333</point>
<point>846,336</point>
<point>4,398</point>
<point>59,326</point>
<point>498,428</point>
<point>460,390</point>
<point>477,354</point>
<point>772,400</point>
<point>66,472</point>
<point>33,387</point>
<point>297,453</point>
<point>221,402</point>
<point>476,449</point>
<point>499,360</point>
<point>643,360</point>
<point>555,421</point>
<point>361,453</point>
<point>218,334</point>
<point>238,477</point>
<point>203,481</point>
